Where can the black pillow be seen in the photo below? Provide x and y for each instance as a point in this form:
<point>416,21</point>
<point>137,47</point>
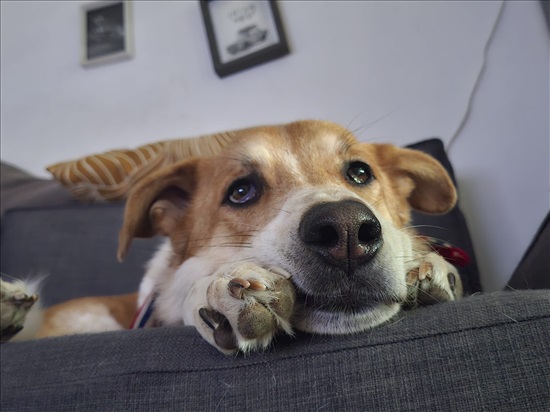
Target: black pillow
<point>532,271</point>
<point>452,227</point>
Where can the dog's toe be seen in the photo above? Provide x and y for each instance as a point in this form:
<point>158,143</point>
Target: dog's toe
<point>248,305</point>
<point>432,294</point>
<point>256,321</point>
<point>433,281</point>
<point>283,302</point>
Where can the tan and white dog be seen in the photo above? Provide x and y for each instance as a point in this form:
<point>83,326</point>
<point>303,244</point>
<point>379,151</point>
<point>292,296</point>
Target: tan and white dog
<point>297,226</point>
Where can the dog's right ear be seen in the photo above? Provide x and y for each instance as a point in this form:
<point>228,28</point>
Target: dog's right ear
<point>157,204</point>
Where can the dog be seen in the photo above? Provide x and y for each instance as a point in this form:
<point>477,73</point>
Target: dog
<point>291,227</point>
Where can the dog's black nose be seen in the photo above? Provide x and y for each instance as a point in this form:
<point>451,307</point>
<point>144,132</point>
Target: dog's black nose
<point>345,233</point>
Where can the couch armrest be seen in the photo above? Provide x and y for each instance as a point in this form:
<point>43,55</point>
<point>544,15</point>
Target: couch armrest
<point>483,352</point>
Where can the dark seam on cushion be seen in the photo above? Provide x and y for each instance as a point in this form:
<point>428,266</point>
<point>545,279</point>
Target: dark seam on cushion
<point>308,355</point>
<point>75,205</point>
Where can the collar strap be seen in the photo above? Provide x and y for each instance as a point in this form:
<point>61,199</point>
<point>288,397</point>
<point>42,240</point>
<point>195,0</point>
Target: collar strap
<point>449,252</point>
<point>144,316</point>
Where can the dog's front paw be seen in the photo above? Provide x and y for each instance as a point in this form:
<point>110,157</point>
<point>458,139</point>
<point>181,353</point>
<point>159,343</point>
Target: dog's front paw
<point>15,303</point>
<point>433,281</point>
<point>247,306</point>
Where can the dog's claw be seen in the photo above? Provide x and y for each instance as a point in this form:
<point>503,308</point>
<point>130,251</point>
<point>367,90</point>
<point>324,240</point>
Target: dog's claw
<point>426,271</point>
<point>223,333</point>
<point>255,285</point>
<point>25,302</point>
<point>452,280</point>
<point>432,282</point>
<point>206,316</point>
<point>237,286</point>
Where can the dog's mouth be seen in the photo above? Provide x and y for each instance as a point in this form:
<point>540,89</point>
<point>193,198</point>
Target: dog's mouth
<point>346,302</point>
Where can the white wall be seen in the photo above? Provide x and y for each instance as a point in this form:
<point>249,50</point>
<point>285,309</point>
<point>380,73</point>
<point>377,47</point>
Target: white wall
<point>394,71</point>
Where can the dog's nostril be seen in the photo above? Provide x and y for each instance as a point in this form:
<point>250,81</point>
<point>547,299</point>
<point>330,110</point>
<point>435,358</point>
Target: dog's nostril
<point>369,231</point>
<point>324,235</point>
<point>328,236</point>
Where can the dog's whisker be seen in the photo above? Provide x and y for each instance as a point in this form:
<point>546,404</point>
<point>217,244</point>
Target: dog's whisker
<point>241,260</point>
<point>255,227</point>
<point>362,129</point>
<point>354,118</point>
<point>229,245</point>
<point>282,210</point>
<point>236,235</point>
<point>413,257</point>
<point>424,226</point>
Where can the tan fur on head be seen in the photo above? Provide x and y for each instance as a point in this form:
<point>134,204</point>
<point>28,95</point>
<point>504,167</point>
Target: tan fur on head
<point>413,179</point>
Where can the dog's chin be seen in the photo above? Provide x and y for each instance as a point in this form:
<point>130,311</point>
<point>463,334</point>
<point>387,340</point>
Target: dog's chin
<point>344,313</point>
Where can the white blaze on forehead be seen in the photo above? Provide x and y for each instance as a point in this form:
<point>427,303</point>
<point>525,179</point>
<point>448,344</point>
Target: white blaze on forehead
<point>258,152</point>
<point>289,153</point>
<point>268,157</point>
<point>332,143</point>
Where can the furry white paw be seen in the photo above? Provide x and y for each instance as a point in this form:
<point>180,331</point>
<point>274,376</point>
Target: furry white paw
<point>246,306</point>
<point>15,303</point>
<point>434,281</point>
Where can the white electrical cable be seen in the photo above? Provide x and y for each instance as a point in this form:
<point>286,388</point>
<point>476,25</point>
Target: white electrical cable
<point>478,78</point>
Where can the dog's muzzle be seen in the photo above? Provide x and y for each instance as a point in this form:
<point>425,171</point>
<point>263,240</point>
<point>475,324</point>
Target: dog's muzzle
<point>345,234</point>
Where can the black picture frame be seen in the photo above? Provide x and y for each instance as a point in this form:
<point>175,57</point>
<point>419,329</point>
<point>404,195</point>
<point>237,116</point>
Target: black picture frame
<point>243,34</point>
<point>106,32</point>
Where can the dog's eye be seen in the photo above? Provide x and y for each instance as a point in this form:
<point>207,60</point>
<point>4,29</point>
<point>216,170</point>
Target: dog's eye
<point>359,172</point>
<point>242,191</point>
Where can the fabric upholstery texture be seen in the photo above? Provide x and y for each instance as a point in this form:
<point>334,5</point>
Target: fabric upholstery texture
<point>487,352</point>
<point>75,246</point>
<point>109,176</point>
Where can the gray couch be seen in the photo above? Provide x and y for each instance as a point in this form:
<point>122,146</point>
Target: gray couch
<point>485,352</point>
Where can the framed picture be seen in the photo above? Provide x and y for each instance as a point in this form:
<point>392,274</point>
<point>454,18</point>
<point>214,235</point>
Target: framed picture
<point>243,33</point>
<point>106,32</point>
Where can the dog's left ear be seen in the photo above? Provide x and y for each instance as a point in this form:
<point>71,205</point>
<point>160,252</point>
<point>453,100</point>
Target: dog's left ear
<point>157,204</point>
<point>418,177</point>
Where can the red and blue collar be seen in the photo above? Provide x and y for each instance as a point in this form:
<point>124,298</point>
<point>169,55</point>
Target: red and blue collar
<point>144,316</point>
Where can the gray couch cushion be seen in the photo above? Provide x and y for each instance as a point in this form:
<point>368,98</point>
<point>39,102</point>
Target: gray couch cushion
<point>21,190</point>
<point>486,352</point>
<point>76,247</point>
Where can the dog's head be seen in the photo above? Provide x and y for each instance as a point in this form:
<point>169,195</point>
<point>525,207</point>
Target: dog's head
<point>306,197</point>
